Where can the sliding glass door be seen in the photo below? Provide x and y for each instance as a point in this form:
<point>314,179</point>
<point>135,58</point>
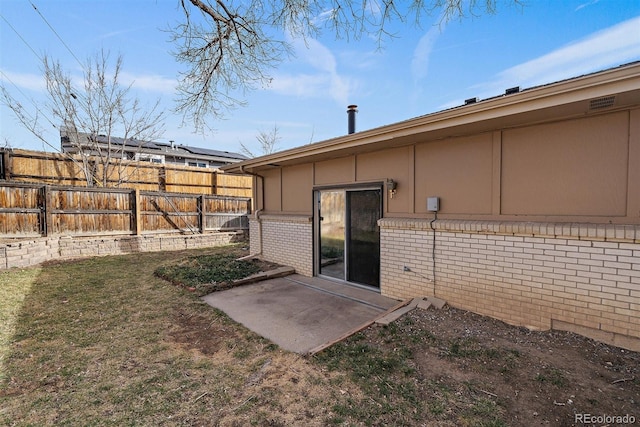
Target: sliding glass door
<point>348,236</point>
<point>332,234</point>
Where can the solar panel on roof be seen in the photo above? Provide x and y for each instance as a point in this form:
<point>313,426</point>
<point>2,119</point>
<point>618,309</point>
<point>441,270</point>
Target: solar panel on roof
<point>164,148</point>
<point>129,142</point>
<point>209,152</point>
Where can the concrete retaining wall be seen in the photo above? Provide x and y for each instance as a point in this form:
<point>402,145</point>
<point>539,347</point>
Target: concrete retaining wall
<point>26,253</point>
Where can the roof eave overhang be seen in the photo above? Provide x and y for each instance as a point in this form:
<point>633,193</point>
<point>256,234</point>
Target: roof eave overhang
<point>555,101</point>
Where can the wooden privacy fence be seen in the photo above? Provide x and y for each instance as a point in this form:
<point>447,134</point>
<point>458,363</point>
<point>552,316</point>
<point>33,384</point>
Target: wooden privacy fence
<point>29,210</point>
<point>58,169</point>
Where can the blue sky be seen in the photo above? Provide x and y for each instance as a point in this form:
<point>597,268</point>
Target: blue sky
<point>420,71</point>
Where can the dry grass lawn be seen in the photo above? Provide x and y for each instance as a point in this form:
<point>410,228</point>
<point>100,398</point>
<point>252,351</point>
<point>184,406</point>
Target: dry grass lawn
<point>105,341</point>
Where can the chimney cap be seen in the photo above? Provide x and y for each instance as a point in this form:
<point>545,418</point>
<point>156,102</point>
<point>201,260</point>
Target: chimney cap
<point>351,107</point>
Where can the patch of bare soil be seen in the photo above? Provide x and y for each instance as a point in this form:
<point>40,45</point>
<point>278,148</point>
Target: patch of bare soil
<point>196,332</point>
<point>276,388</point>
<point>524,377</point>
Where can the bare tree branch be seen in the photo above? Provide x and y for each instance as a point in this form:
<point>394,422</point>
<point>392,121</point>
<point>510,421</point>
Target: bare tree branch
<point>267,140</point>
<point>229,47</point>
<point>100,106</point>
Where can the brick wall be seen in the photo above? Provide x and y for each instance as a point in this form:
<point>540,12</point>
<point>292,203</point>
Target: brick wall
<point>287,239</point>
<point>255,245</point>
<point>578,277</point>
<point>27,253</point>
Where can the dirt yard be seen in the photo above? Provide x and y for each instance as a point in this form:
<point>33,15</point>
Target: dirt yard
<point>527,378</point>
<point>466,369</point>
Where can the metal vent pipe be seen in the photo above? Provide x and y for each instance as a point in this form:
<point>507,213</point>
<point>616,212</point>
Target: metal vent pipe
<point>351,114</point>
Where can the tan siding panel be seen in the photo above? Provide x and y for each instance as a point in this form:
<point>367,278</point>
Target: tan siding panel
<point>272,188</point>
<point>569,168</point>
<point>389,164</point>
<point>633,191</point>
<point>459,171</point>
<point>338,171</point>
<point>297,184</point>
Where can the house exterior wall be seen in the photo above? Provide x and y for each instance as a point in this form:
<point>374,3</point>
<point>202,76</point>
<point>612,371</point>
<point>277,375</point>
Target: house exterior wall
<point>335,171</point>
<point>584,279</point>
<point>398,164</point>
<point>272,181</point>
<point>580,170</point>
<point>464,188</point>
<point>539,224</point>
<point>255,236</point>
<point>287,239</point>
<point>560,169</point>
<point>298,180</point>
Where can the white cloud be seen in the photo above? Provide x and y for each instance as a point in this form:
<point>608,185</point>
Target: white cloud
<point>118,33</point>
<point>421,54</point>
<point>373,7</point>
<point>321,81</point>
<point>361,60</point>
<point>323,17</point>
<point>36,82</point>
<point>316,54</point>
<point>28,81</point>
<point>607,48</point>
<point>304,85</point>
<point>150,83</point>
<point>420,61</point>
<point>587,4</point>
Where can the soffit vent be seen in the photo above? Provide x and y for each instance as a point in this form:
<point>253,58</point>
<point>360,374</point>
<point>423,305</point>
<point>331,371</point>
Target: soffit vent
<point>604,102</point>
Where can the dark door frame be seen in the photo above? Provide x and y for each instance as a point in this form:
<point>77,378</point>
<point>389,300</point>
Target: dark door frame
<point>365,186</point>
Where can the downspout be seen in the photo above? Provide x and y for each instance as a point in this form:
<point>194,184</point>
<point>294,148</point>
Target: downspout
<point>258,211</point>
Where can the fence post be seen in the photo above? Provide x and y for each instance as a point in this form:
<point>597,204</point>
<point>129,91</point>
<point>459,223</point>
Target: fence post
<point>136,220</point>
<point>6,165</point>
<point>214,183</point>
<point>3,160</point>
<point>202,208</point>
<point>47,207</point>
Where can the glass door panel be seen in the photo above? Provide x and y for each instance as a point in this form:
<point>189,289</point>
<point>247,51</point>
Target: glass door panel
<point>332,226</point>
<point>363,237</point>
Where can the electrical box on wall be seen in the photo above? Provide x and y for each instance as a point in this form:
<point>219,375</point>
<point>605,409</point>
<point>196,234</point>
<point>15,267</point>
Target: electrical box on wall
<point>433,204</point>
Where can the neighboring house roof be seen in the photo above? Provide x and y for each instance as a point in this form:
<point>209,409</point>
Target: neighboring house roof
<point>606,90</point>
<point>153,147</point>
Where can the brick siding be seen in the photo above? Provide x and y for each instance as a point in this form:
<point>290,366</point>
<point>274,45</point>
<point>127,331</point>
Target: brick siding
<point>286,239</point>
<point>577,277</point>
<point>255,235</point>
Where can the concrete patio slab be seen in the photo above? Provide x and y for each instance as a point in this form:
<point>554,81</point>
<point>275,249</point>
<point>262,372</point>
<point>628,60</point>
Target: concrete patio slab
<point>300,313</point>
